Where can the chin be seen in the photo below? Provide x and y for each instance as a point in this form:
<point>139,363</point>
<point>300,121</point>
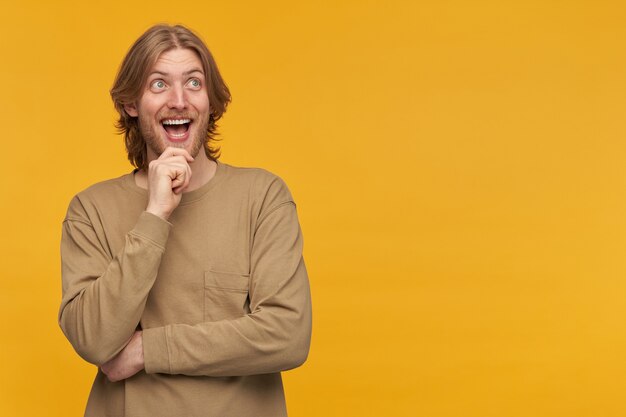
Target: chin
<point>157,143</point>
<point>194,148</point>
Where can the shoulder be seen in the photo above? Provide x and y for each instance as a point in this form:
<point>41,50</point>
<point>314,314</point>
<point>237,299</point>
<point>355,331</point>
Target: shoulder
<point>263,191</point>
<point>258,182</point>
<point>105,188</point>
<point>101,193</point>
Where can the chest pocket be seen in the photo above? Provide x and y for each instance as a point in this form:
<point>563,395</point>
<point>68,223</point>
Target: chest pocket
<point>225,295</point>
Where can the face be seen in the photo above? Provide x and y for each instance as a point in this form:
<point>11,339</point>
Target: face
<point>174,107</point>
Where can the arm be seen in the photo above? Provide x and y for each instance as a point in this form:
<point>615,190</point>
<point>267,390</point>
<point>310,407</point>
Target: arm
<point>275,336</point>
<point>103,298</point>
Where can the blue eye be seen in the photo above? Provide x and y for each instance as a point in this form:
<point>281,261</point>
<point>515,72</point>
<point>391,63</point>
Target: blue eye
<point>195,82</point>
<point>158,84</point>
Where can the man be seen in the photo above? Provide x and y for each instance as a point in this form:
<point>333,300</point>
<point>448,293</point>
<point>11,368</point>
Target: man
<point>183,281</point>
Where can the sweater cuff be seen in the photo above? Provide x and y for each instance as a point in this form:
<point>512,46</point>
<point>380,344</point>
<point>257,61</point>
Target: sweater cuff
<point>153,228</point>
<point>155,353</point>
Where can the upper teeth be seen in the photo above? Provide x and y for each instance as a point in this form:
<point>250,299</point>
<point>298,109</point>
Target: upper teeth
<point>176,121</point>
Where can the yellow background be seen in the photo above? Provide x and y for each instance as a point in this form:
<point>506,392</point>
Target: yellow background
<point>459,169</point>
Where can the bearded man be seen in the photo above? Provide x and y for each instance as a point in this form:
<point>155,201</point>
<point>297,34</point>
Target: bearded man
<point>183,281</point>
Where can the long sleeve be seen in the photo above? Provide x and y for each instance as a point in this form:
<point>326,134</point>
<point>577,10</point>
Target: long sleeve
<point>104,295</point>
<point>274,336</point>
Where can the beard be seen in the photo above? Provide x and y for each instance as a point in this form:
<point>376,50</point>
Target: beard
<point>153,135</point>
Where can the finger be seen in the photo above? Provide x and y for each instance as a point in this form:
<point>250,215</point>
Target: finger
<point>177,186</point>
<point>177,176</point>
<point>180,188</point>
<point>170,151</point>
<point>187,176</point>
<point>186,179</point>
<point>173,158</point>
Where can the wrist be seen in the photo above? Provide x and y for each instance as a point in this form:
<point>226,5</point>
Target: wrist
<point>140,359</point>
<point>158,211</point>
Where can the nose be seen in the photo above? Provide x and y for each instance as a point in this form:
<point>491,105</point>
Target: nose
<point>176,98</point>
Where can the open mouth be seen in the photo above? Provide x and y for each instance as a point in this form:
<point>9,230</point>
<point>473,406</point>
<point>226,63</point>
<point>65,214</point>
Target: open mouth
<point>176,128</point>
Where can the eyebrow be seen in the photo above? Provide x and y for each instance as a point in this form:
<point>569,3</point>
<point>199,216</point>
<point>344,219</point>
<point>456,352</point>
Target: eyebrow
<point>165,74</point>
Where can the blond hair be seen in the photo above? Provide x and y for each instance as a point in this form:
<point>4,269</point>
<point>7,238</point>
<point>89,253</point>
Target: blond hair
<point>133,73</point>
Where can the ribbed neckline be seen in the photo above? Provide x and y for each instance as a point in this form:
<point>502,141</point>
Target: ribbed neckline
<point>188,198</point>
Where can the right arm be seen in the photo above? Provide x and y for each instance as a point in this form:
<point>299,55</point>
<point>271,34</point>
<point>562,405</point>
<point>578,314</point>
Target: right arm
<point>103,295</point>
<point>104,298</point>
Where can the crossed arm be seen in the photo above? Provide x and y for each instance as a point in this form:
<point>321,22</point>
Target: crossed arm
<point>104,300</point>
<point>126,363</point>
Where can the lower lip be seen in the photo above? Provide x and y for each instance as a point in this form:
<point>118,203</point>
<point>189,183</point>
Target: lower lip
<point>177,139</point>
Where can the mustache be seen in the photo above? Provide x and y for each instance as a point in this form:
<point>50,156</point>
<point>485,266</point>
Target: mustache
<point>177,115</point>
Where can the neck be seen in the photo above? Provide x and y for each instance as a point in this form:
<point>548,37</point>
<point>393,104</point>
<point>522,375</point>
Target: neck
<point>202,170</point>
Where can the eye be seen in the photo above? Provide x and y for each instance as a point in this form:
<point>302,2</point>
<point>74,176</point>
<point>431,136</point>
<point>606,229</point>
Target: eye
<point>195,83</point>
<point>157,85</point>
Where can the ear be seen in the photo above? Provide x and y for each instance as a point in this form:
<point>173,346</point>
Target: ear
<point>131,109</point>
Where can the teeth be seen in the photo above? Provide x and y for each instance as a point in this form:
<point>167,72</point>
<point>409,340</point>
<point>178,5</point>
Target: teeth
<point>176,121</point>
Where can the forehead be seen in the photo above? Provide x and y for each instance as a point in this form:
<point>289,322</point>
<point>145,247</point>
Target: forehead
<point>176,61</point>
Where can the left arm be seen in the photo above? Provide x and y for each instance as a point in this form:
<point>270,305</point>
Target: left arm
<point>273,337</point>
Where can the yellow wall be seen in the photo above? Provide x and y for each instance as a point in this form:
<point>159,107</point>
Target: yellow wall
<point>460,173</point>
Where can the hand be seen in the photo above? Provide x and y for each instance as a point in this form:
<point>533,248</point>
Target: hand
<point>128,362</point>
<point>168,177</point>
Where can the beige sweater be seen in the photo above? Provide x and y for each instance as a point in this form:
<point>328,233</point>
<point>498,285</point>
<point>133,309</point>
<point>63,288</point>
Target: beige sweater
<point>220,291</point>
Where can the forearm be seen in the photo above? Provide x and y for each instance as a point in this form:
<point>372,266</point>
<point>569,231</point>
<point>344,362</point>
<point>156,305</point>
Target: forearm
<point>272,338</point>
<point>272,335</point>
<point>100,312</point>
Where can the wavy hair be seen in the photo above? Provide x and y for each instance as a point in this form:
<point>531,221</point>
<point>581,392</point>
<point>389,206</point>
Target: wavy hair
<point>132,76</point>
